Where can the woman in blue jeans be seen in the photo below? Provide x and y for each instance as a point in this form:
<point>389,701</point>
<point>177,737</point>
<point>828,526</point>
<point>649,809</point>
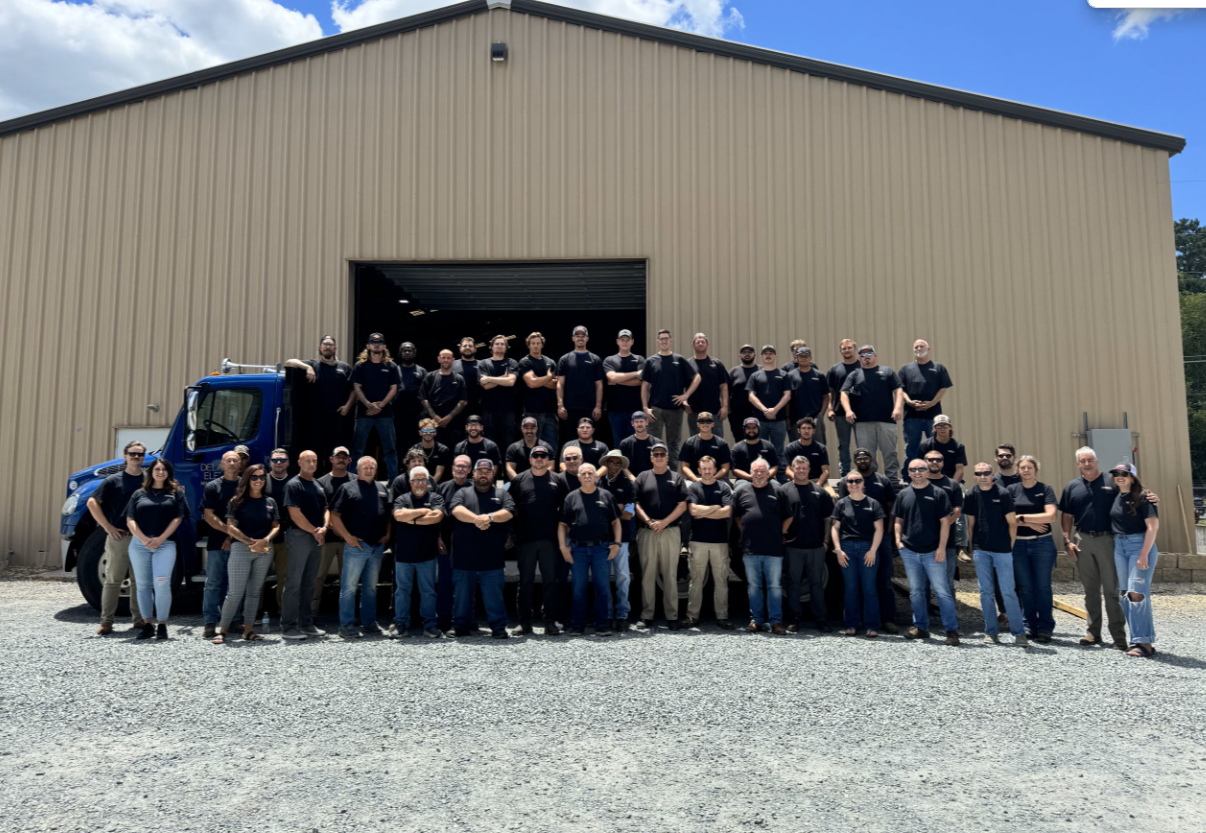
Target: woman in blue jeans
<point>152,516</point>
<point>858,528</point>
<point>1134,522</point>
<point>1034,550</point>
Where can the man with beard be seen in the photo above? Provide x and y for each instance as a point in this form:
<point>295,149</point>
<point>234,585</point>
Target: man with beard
<point>661,501</point>
<point>877,486</point>
<point>835,379</point>
<point>539,494</point>
<point>443,396</point>
<point>762,517</point>
<point>497,376</point>
<point>739,397</point>
<point>809,393</point>
<point>637,446</point>
<point>461,468</point>
<point>518,459</point>
<point>925,382</point>
<point>476,446</point>
<point>1007,466</point>
<point>579,385</point>
<point>705,444</point>
<point>417,517</point>
<point>770,392</point>
<point>466,367</point>
<point>482,513</point>
<point>623,373</point>
<point>751,449</point>
<point>408,410</point>
<point>592,449</point>
<point>331,399</point>
<point>108,508</point>
<point>873,400</point>
<point>539,399</point>
<point>437,457</point>
<point>375,381</point>
<point>811,509</point>
<point>621,487</point>
<point>806,446</point>
<point>332,550</point>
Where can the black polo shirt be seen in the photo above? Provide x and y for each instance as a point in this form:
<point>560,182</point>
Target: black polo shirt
<point>637,451</point>
<point>922,382</point>
<point>443,391</point>
<point>480,549</point>
<point>659,494</point>
<point>216,496</point>
<point>330,484</point>
<point>591,453</point>
<point>485,449</point>
<point>364,509</point>
<point>434,457</point>
<point>581,371</point>
<point>922,511</point>
<point>1122,522</point>
<point>744,454</point>
<point>710,530</point>
<point>498,399</point>
<point>518,454</point>
<point>989,507</point>
<point>375,380</point>
<point>872,393</point>
<point>836,379</point>
<point>589,517</point>
<point>254,516</point>
<point>808,391</point>
<point>624,491</point>
<point>155,509</point>
<point>1089,503</point>
<point>858,518</point>
<point>623,399</point>
<point>762,513</point>
<point>697,447</point>
<point>537,400</point>
<point>769,386</point>
<point>414,544</point>
<point>953,453</point>
<point>809,506</point>
<point>817,454</point>
<point>712,374</point>
<point>309,498</point>
<point>1032,501</point>
<point>538,503</point>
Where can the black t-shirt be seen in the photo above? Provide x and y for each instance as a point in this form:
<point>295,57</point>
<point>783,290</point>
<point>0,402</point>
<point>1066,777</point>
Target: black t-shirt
<point>412,379</point>
<point>275,489</point>
<point>115,491</point>
<point>309,498</point>
<point>954,493</point>
<point>467,370</point>
<point>537,505</point>
<point>591,453</point>
<point>443,391</point>
<point>744,454</point>
<point>571,481</point>
<point>809,506</point>
<point>476,451</point>
<point>710,530</point>
<point>922,382</point>
<point>1032,501</point>
<point>668,376</point>
<point>638,452</point>
<point>712,374</point>
<point>414,543</point>
<point>623,399</point>
<point>922,511</point>
<point>872,393</point>
<point>858,518</point>
<point>480,549</point>
<point>155,509</point>
<point>400,486</point>
<point>254,516</point>
<point>330,484</point>
<point>953,453</point>
<point>332,385</point>
<point>697,447</point>
<point>836,379</point>
<point>537,400</point>
<point>434,457</point>
<point>817,454</point>
<point>1089,504</point>
<point>589,517</point>
<point>739,400</point>
<point>989,507</point>
<point>499,399</point>
<point>1122,522</point>
<point>659,494</point>
<point>876,486</point>
<point>217,497</point>
<point>1008,480</point>
<point>769,386</point>
<point>446,490</point>
<point>807,392</point>
<point>364,509</point>
<point>624,492</point>
<point>375,380</point>
<point>762,512</point>
<point>581,371</point>
<point>518,454</point>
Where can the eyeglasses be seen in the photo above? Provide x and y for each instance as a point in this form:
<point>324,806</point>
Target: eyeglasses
<point>259,477</point>
<point>983,474</point>
<point>276,460</point>
<point>418,480</point>
<point>854,481</point>
<point>427,431</point>
<point>136,454</point>
<point>865,355</point>
<point>918,468</point>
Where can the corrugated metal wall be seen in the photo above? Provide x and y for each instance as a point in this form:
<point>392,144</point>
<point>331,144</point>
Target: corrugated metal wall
<point>140,245</point>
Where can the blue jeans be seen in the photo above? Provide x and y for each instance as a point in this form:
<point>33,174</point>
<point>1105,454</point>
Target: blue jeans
<point>588,560</point>
<point>547,426</point>
<point>862,600</point>
<point>1127,549</point>
<point>153,574</point>
<point>491,582</point>
<point>385,432</point>
<point>1033,561</point>
<point>914,430</point>
<point>774,433</point>
<point>361,567</point>
<point>444,591</point>
<point>1000,563</point>
<point>844,430</point>
<point>405,574</point>
<point>216,585</point>
<point>765,572</point>
<point>621,427</point>
<point>621,571</point>
<point>922,567</point>
<point>951,562</point>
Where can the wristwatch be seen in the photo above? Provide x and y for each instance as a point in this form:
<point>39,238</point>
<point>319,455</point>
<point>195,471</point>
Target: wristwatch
<point>490,515</point>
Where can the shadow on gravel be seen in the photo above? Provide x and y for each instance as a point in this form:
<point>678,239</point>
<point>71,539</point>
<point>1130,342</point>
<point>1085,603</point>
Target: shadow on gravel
<point>79,614</point>
<point>1174,660</point>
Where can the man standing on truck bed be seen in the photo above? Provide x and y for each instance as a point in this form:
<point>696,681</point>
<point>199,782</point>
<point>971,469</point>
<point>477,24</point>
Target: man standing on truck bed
<point>444,396</point>
<point>376,379</point>
<point>331,398</point>
<point>108,508</point>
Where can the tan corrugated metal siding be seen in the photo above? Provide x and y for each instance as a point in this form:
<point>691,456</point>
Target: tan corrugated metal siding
<point>141,244</point>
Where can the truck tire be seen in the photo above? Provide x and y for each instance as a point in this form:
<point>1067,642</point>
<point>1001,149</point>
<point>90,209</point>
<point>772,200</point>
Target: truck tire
<point>90,572</point>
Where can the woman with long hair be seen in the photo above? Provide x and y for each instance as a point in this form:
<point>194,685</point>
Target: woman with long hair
<point>253,520</point>
<point>1034,550</point>
<point>152,516</point>
<point>1134,522</point>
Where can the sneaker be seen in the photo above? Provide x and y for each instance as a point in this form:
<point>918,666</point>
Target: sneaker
<point>793,628</point>
<point>432,633</point>
<point>211,630</point>
<point>952,637</point>
<point>602,632</point>
<point>403,633</point>
<point>1021,640</point>
<point>146,631</point>
<point>1043,638</point>
<point>311,630</point>
<point>501,633</point>
<point>344,633</point>
<point>621,625</point>
<point>391,632</point>
<point>1089,639</point>
<point>523,630</point>
<point>753,627</point>
<point>992,639</point>
<point>372,629</point>
<point>161,631</point>
<point>644,625</point>
<point>725,625</point>
<point>890,627</point>
<point>295,634</point>
<point>460,632</point>
<point>674,624</point>
<point>916,633</point>
<point>578,632</point>
<point>777,629</point>
<point>552,629</point>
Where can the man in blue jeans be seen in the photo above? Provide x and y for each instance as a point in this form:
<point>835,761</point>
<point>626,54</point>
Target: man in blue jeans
<point>769,394</point>
<point>482,516</point>
<point>361,516</point>
<point>624,492</point>
<point>763,516</point>
<point>992,526</point>
<point>589,538</point>
<point>417,516</point>
<point>214,500</point>
<point>375,380</point>
<point>924,382</point>
<point>923,523</point>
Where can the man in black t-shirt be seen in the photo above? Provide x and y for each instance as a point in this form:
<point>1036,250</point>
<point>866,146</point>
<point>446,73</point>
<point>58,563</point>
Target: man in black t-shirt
<point>622,488</point>
<point>459,479</point>
<point>417,518</point>
<point>482,514</point>
<point>589,538</point>
<point>874,402</point>
<point>108,508</point>
<point>579,385</point>
<point>476,447</point>
<point>375,379</point>
<point>214,501</point>
<point>661,501</point>
<point>710,502</point>
<point>538,493</point>
<point>592,449</point>
<point>835,379</point>
<point>924,382</point>
<point>444,397</point>
<point>332,547</point>
<point>762,516</point>
<point>518,456</point>
<point>705,444</point>
<point>811,509</point>
<point>538,376</point>
<point>497,376</point>
<point>954,456</point>
<point>769,394</point>
<point>712,394</point>
<point>623,374</point>
<point>739,399</point>
<point>331,398</point>
<point>362,516</point>
<point>437,457</point>
<point>667,383</point>
<point>923,521</point>
<point>752,448</point>
<point>466,367</point>
<point>306,505</point>
<point>1007,466</point>
<point>809,391</point>
<point>954,492</point>
<point>992,527</point>
<point>637,446</point>
<point>807,446</point>
<point>408,410</point>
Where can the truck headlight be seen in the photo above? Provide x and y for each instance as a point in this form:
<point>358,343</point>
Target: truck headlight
<point>71,504</point>
<point>72,485</point>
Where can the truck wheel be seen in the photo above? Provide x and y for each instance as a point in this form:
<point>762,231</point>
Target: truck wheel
<point>90,574</point>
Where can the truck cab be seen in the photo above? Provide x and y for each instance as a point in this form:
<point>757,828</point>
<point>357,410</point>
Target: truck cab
<point>247,405</point>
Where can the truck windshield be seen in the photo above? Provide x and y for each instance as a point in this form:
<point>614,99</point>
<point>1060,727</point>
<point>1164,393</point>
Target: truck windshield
<point>222,416</point>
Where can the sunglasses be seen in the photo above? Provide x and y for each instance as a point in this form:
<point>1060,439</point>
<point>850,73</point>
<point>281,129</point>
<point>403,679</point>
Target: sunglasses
<point>427,431</point>
<point>259,477</point>
<point>136,454</point>
<point>704,422</point>
<point>856,481</point>
<point>933,459</point>
<point>276,460</point>
<point>918,468</point>
<point>1000,456</point>
<point>543,456</point>
<point>659,454</point>
<point>418,480</point>
<point>983,474</point>
<point>865,355</point>
<point>575,459</point>
<point>1118,474</point>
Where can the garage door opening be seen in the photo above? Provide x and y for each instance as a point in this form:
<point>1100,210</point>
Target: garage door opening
<point>434,305</point>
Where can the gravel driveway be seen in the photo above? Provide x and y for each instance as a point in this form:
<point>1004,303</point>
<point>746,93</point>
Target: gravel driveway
<point>688,731</point>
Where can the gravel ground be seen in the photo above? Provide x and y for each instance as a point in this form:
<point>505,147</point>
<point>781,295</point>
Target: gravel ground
<point>685,731</point>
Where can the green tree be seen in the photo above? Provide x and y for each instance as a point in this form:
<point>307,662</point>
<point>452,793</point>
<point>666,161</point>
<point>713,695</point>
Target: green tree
<point>1193,341</point>
<point>1190,240</point>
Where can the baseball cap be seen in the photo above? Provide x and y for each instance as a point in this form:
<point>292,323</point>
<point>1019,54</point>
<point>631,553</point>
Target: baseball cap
<point>587,420</point>
<point>746,347</point>
<point>863,452</point>
<point>803,351</point>
<point>638,415</point>
<point>483,463</point>
<point>376,338</point>
<point>750,421</point>
<point>528,419</point>
<point>242,449</point>
<point>406,344</point>
<point>538,450</point>
<point>942,419</point>
<point>769,348</point>
<point>473,418</point>
<point>658,445</point>
<point>1124,467</point>
<point>585,331</point>
<point>866,348</point>
<point>340,448</point>
<point>625,334</point>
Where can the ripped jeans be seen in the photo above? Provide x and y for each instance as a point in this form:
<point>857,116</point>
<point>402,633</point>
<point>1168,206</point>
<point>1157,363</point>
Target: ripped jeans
<point>1131,579</point>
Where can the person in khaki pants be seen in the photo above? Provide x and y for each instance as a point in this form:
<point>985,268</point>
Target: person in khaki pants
<point>108,509</point>
<point>661,501</point>
<point>710,502</point>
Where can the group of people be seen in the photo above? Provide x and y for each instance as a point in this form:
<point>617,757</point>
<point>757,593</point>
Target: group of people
<point>573,508</point>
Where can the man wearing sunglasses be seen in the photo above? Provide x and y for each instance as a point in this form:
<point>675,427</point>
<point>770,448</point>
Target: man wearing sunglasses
<point>923,522</point>
<point>954,492</point>
<point>1007,466</point>
<point>437,457</point>
<point>375,379</point>
<point>739,397</point>
<point>108,508</point>
<point>519,453</point>
<point>214,501</point>
<point>873,400</point>
<point>278,479</point>
<point>992,526</point>
<point>539,494</point>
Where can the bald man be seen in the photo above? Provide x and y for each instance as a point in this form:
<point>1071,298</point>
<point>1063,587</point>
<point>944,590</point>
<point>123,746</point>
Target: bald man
<point>306,503</point>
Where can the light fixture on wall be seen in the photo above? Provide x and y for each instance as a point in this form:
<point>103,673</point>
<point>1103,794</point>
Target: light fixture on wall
<point>498,52</point>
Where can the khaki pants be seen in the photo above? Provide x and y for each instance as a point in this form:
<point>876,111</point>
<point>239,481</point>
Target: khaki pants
<point>717,557</point>
<point>332,551</point>
<point>1100,577</point>
<point>117,567</point>
<point>658,552</point>
<point>280,562</point>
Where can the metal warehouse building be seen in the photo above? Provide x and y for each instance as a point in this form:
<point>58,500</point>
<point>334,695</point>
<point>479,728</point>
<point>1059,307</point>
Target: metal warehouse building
<point>607,169</point>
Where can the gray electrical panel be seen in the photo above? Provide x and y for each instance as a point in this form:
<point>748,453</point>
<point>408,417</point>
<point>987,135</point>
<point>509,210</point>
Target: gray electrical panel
<point>1113,446</point>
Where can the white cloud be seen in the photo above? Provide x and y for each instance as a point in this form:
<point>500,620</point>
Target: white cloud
<point>53,53</point>
<point>1133,24</point>
<point>705,17</point>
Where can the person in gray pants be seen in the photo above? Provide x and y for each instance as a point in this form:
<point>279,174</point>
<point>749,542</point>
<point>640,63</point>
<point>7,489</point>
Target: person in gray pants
<point>252,521</point>
<point>306,503</point>
<point>811,509</point>
<point>873,399</point>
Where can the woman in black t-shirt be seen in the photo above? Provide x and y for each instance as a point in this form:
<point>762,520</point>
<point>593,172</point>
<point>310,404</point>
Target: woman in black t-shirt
<point>1134,522</point>
<point>152,516</point>
<point>1034,550</point>
<point>858,528</point>
<point>253,520</point>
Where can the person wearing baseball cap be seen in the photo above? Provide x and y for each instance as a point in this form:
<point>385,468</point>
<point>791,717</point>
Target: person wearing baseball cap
<point>623,374</point>
<point>475,445</point>
<point>579,386</point>
<point>538,493</point>
<point>873,399</point>
<point>809,392</point>
<point>739,398</point>
<point>375,380</point>
<point>954,455</point>
<point>753,447</point>
<point>244,456</point>
<point>483,516</point>
<point>518,456</point>
<point>769,393</point>
<point>1135,522</point>
<point>331,551</point>
<point>661,500</point>
<point>636,446</point>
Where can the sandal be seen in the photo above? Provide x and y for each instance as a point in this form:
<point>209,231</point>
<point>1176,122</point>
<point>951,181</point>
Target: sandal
<point>872,634</point>
<point>252,637</point>
<point>848,632</point>
<point>220,639</point>
<point>1141,651</point>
